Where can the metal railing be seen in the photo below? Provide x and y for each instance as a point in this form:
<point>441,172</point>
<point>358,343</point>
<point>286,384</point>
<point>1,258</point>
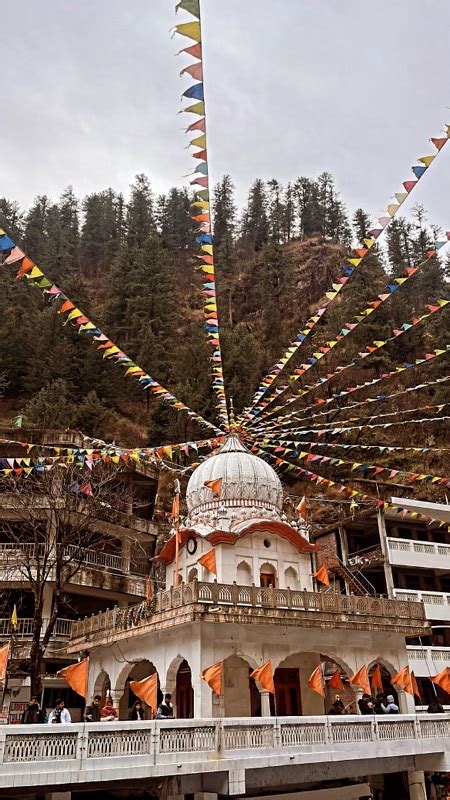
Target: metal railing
<point>366,558</point>
<point>25,626</point>
<point>17,554</point>
<point>250,597</point>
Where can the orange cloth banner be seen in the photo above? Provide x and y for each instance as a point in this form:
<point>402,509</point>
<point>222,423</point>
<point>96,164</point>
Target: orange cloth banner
<point>335,681</point>
<point>361,679</point>
<point>4,655</point>
<point>213,677</point>
<point>209,561</point>
<point>264,675</point>
<point>376,679</point>
<point>321,575</point>
<point>301,508</point>
<point>147,690</point>
<point>403,679</point>
<point>315,681</point>
<point>76,676</point>
<point>415,686</point>
<point>215,486</point>
<point>442,679</point>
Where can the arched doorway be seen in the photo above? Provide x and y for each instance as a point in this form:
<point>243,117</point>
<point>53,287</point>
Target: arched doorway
<point>184,692</point>
<point>193,574</point>
<point>288,699</point>
<point>267,576</point>
<point>291,580</point>
<point>102,684</point>
<point>244,574</point>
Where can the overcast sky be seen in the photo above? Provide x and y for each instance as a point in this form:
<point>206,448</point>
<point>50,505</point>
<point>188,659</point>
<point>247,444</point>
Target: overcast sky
<point>90,94</point>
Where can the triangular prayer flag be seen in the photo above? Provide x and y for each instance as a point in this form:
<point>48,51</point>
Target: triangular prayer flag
<point>200,141</point>
<point>403,678</point>
<point>442,679</point>
<point>76,676</point>
<point>215,485</point>
<point>196,108</point>
<point>190,29</point>
<point>264,675</point>
<point>191,6</point>
<point>195,50</point>
<point>14,617</point>
<point>376,678</point>
<point>208,560</point>
<point>302,507</point>
<point>415,686</point>
<point>315,681</point>
<point>361,679</point>
<point>147,690</point>
<point>335,681</point>
<point>213,677</point>
<point>321,575</point>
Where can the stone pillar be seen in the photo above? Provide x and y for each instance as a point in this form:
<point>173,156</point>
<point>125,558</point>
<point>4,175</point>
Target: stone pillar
<point>406,704</point>
<point>416,784</point>
<point>385,550</point>
<point>116,698</point>
<point>265,704</point>
<point>358,694</point>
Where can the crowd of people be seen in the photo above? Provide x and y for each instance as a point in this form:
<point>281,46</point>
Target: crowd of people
<point>381,704</point>
<point>34,714</point>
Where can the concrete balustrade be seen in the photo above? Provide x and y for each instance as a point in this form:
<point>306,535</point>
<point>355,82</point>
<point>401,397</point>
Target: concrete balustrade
<point>412,553</point>
<point>437,604</point>
<point>69,755</point>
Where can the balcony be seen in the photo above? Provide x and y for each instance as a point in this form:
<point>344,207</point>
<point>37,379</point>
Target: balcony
<point>426,661</point>
<point>219,602</point>
<point>421,555</point>
<point>369,557</point>
<point>437,604</point>
<point>24,631</point>
<point>241,753</point>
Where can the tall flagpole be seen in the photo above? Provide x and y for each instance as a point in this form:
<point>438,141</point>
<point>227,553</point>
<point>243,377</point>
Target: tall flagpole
<point>176,523</point>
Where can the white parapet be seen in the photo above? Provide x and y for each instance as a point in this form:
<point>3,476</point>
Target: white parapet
<point>437,604</point>
<point>69,755</point>
<point>421,555</point>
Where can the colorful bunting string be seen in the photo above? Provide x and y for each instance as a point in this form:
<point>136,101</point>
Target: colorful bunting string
<point>348,268</point>
<point>34,276</point>
<point>201,208</point>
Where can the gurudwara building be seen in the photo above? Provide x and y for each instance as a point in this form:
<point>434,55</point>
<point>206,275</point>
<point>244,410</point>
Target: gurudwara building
<point>256,602</point>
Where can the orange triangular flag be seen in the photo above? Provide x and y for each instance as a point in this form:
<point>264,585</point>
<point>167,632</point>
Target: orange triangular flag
<point>315,681</point>
<point>403,679</point>
<point>376,679</point>
<point>147,690</point>
<point>176,506</point>
<point>76,676</point>
<point>321,575</point>
<point>4,655</point>
<point>415,686</point>
<point>213,677</point>
<point>301,508</point>
<point>442,679</point>
<point>208,560</point>
<point>361,679</point>
<point>215,485</point>
<point>335,681</point>
<point>149,590</point>
<point>264,675</point>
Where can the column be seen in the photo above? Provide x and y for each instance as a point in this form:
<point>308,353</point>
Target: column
<point>406,704</point>
<point>265,704</point>
<point>358,695</point>
<point>116,698</point>
<point>385,550</point>
<point>416,784</point>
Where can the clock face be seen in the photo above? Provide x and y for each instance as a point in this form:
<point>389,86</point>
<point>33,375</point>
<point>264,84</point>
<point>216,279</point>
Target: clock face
<point>191,546</point>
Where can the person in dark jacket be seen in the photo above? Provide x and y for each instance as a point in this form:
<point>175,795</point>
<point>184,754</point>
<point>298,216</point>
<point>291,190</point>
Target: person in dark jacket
<point>435,707</point>
<point>92,712</point>
<point>366,704</point>
<point>337,707</point>
<point>137,712</point>
<point>165,709</point>
<point>380,701</point>
<point>33,714</point>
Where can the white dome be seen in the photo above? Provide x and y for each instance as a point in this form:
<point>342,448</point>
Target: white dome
<point>247,482</point>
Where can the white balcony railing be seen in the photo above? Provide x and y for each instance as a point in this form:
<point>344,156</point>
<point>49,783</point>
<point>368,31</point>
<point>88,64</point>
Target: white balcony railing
<point>65,754</point>
<point>437,604</point>
<point>408,552</point>
<point>426,661</point>
<point>17,555</point>
<point>25,625</point>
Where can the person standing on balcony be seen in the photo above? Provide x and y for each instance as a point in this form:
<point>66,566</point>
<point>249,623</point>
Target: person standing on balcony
<point>92,712</point>
<point>366,704</point>
<point>33,714</point>
<point>165,709</point>
<point>59,714</point>
<point>137,712</point>
<point>337,707</point>
<point>435,707</point>
<point>108,713</point>
<point>391,707</point>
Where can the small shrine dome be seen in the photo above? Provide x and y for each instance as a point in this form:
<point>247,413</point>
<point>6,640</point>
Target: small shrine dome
<point>247,483</point>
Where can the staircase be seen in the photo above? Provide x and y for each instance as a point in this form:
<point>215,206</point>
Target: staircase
<point>355,580</point>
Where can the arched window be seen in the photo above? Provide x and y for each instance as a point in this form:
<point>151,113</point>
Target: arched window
<point>192,574</point>
<point>267,576</point>
<point>244,574</point>
<point>291,578</point>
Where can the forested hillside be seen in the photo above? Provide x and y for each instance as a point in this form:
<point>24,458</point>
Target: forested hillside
<point>130,266</point>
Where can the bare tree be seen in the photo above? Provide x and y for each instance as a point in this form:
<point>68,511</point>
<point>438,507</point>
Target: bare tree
<point>50,523</point>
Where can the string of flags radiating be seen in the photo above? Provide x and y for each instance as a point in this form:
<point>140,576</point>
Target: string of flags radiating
<point>348,268</point>
<point>28,269</point>
<point>201,206</point>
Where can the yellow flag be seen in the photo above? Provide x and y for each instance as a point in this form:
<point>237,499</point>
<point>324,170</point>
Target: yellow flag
<point>392,209</point>
<point>354,261</point>
<point>190,29</point>
<point>14,617</point>
<point>200,141</point>
<point>196,108</point>
<point>427,160</point>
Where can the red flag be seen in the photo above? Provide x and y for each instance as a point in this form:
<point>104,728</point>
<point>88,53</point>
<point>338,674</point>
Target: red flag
<point>215,485</point>
<point>4,655</point>
<point>147,690</point>
<point>376,679</point>
<point>264,675</point>
<point>213,677</point>
<point>315,681</point>
<point>361,679</point>
<point>76,676</point>
<point>321,575</point>
<point>208,560</point>
<point>442,679</point>
<point>335,681</point>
